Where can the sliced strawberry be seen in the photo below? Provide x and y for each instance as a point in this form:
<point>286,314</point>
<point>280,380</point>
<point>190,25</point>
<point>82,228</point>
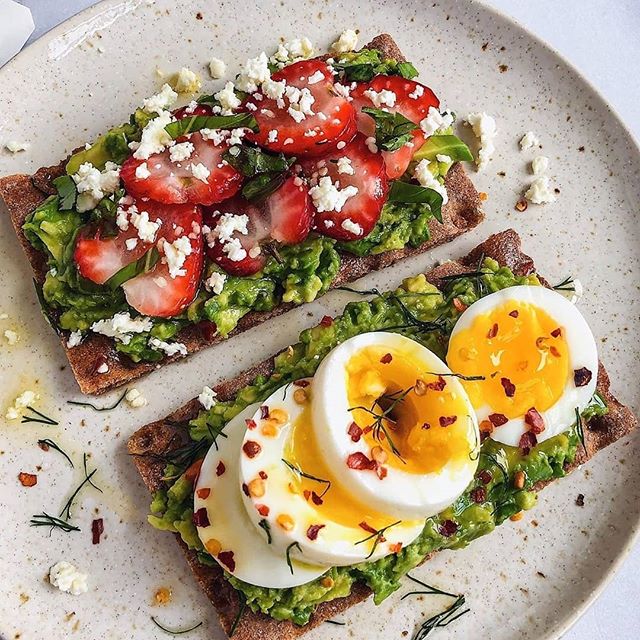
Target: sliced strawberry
<point>157,293</point>
<point>176,182</point>
<point>289,212</point>
<point>188,112</point>
<point>332,119</point>
<point>411,99</point>
<point>365,170</point>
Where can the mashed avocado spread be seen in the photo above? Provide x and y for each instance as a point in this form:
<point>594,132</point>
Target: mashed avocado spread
<point>427,315</point>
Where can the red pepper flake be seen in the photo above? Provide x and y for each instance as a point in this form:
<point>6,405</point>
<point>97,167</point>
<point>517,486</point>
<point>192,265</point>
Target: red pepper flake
<point>263,509</point>
<point>459,305</point>
<point>367,527</point>
<point>326,321</point>
<point>396,547</point>
<point>554,351</point>
<point>203,493</point>
<point>251,424</point>
<point>44,446</point>
<point>493,332</point>
<point>264,412</point>
<point>313,530</point>
<point>368,429</point>
<point>498,419</point>
<point>509,387</point>
<point>556,333</point>
<point>514,313</point>
<point>485,476</point>
<point>226,558</point>
<point>355,432</point>
<point>201,518</point>
<point>447,528</point>
<point>425,426</point>
<point>386,358</point>
<point>528,440</point>
<point>307,494</point>
<point>438,385</point>
<point>251,448</point>
<point>381,471</point>
<point>220,469</point>
<point>316,499</point>
<point>208,329</point>
<point>360,462</point>
<point>245,489</point>
<point>582,377</point>
<point>534,420</point>
<point>446,421</point>
<point>27,479</point>
<point>301,383</point>
<point>263,474</point>
<point>479,495</point>
<point>580,500</point>
<point>97,529</point>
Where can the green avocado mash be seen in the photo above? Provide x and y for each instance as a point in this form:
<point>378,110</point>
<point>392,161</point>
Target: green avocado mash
<point>426,314</point>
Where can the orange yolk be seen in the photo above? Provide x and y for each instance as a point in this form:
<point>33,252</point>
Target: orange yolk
<point>426,424</point>
<point>515,344</point>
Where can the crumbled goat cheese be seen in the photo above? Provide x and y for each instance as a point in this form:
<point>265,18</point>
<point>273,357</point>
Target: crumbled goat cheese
<point>255,251</point>
<point>142,171</point>
<point>300,101</point>
<point>182,151</point>
<point>297,49</point>
<point>146,228</point>
<point>186,81</point>
<point>217,68</point>
<point>93,185</point>
<point>227,98</point>
<point>103,368</point>
<point>170,348</point>
<point>528,141</point>
<point>14,146</point>
<point>234,250</point>
<point>343,90</point>
<point>384,98</point>
<point>154,138</point>
<point>540,192</point>
<point>74,339</point>
<point>344,166</point>
<point>131,243</point>
<point>218,136</point>
<point>436,121</point>
<point>578,291</point>
<point>67,578</point>
<point>426,179</point>
<point>200,172</point>
<point>236,135</point>
<point>327,197</point>
<point>160,101</point>
<point>274,89</point>
<point>11,337</point>
<point>207,398</point>
<point>215,282</point>
<point>418,92</point>
<point>347,41</point>
<point>272,136</point>
<point>484,128</point>
<point>121,326</point>
<point>440,157</point>
<point>316,77</point>
<point>25,399</point>
<point>254,72</point>
<point>539,165</point>
<point>175,254</point>
<point>135,399</point>
<point>351,226</point>
<point>228,224</point>
<point>371,144</point>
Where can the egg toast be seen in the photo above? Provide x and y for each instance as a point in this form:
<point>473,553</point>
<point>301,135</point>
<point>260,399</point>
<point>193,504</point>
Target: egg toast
<point>152,445</point>
<point>97,361</point>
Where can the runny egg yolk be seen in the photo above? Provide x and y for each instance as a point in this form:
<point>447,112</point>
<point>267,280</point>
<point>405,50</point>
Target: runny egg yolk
<point>414,416</point>
<point>522,354</point>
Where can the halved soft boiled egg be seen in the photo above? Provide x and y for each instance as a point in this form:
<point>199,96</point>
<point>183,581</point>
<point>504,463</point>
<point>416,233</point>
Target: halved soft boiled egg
<point>537,358</point>
<point>224,526</point>
<point>395,429</point>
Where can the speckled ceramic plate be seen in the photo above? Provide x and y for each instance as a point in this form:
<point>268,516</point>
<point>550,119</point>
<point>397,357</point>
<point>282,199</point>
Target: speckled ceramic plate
<point>529,579</point>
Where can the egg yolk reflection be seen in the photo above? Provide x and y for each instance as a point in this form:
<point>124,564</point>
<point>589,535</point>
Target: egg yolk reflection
<point>522,353</point>
<point>415,417</point>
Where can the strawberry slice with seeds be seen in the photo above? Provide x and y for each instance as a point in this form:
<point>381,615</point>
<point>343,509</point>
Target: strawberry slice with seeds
<point>190,111</point>
<point>202,177</point>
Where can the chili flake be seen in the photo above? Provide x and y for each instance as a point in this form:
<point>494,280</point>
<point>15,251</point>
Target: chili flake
<point>326,321</point>
<point>203,493</point>
<point>514,313</point>
<point>425,426</point>
<point>446,421</point>
<point>251,424</point>
<point>447,528</point>
<point>97,529</point>
<point>485,476</point>
<point>264,412</point>
<point>251,448</point>
<point>509,387</point>
<point>301,383</point>
<point>534,420</point>
<point>367,527</point>
<point>381,471</point>
<point>396,547</point>
<point>582,377</point>
<point>498,419</point>
<point>359,461</point>
<point>528,440</point>
<point>27,479</point>
<point>245,489</point>
<point>355,432</point>
<point>263,509</point>
<point>459,305</point>
<point>493,332</point>
<point>226,558</point>
<point>313,530</point>
<point>201,518</point>
<point>556,332</point>
<point>438,385</point>
<point>386,358</point>
<point>580,500</point>
<point>478,495</point>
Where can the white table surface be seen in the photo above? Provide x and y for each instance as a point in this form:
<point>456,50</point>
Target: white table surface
<point>601,39</point>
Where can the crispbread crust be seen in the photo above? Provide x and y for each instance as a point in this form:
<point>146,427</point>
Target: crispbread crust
<point>163,435</point>
<point>22,193</point>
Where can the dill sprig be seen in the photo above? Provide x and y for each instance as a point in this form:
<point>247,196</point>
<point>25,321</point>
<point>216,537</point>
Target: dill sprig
<point>288,554</point>
<point>340,624</point>
<point>175,632</point>
<point>566,285</point>
<point>427,591</point>
<point>580,428</point>
<point>361,292</point>
<point>476,276</point>
<point>297,470</point>
<point>377,537</point>
<point>79,403</point>
<point>264,524</point>
<point>442,619</point>
<point>45,520</point>
<point>412,321</point>
<point>52,445</point>
<point>66,510</point>
<point>39,418</point>
<point>456,375</point>
<point>241,609</point>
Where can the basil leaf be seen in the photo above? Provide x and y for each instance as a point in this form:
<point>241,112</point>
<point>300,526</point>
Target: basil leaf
<point>195,123</point>
<point>250,161</point>
<point>446,145</point>
<point>409,193</point>
<point>392,129</point>
<point>66,189</point>
<point>407,70</point>
<point>363,65</point>
<point>142,265</point>
<point>262,186</point>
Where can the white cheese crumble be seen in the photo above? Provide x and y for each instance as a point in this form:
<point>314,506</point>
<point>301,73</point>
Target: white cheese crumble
<point>227,98</point>
<point>15,147</point>
<point>540,191</point>
<point>182,151</point>
<point>74,339</point>
<point>418,92</point>
<point>316,77</point>
<point>103,368</point>
<point>344,166</point>
<point>135,399</point>
<point>327,196</point>
<point>200,172</point>
<point>131,243</point>
<point>154,137</point>
<point>93,185</point>
<point>175,254</point>
<point>272,135</point>
<point>528,141</point>
<point>11,337</point>
<point>254,72</point>
<point>423,175</point>
<point>384,98</point>
<point>67,578</point>
<point>539,165</point>
<point>25,399</point>
<point>207,398</point>
<point>142,171</point>
<point>4,316</point>
<point>371,144</point>
<point>351,226</point>
<point>186,81</point>
<point>484,128</point>
<point>217,68</point>
<point>578,291</point>
<point>234,250</point>
<point>170,348</point>
<point>215,282</point>
<point>441,157</point>
<point>347,41</point>
<point>121,326</point>
<point>228,224</point>
<point>146,228</point>
<point>160,101</point>
<point>436,121</point>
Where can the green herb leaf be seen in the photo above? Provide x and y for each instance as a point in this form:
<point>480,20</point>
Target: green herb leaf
<point>409,193</point>
<point>39,417</point>
<point>377,536</point>
<point>195,123</point>
<point>241,609</point>
<point>175,632</point>
<point>45,520</point>
<point>264,524</point>
<point>428,590</point>
<point>288,554</point>
<point>46,442</point>
<point>363,65</point>
<point>407,70</point>
<point>393,130</point>
<point>446,145</point>
<point>262,186</point>
<point>250,161</point>
<point>66,510</point>
<point>142,265</point>
<point>67,192</point>
<point>442,619</point>
<point>77,403</point>
<point>298,471</point>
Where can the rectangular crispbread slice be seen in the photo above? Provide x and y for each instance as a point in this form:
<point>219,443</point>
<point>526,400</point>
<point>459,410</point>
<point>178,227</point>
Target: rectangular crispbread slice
<point>163,435</point>
<point>22,193</point>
